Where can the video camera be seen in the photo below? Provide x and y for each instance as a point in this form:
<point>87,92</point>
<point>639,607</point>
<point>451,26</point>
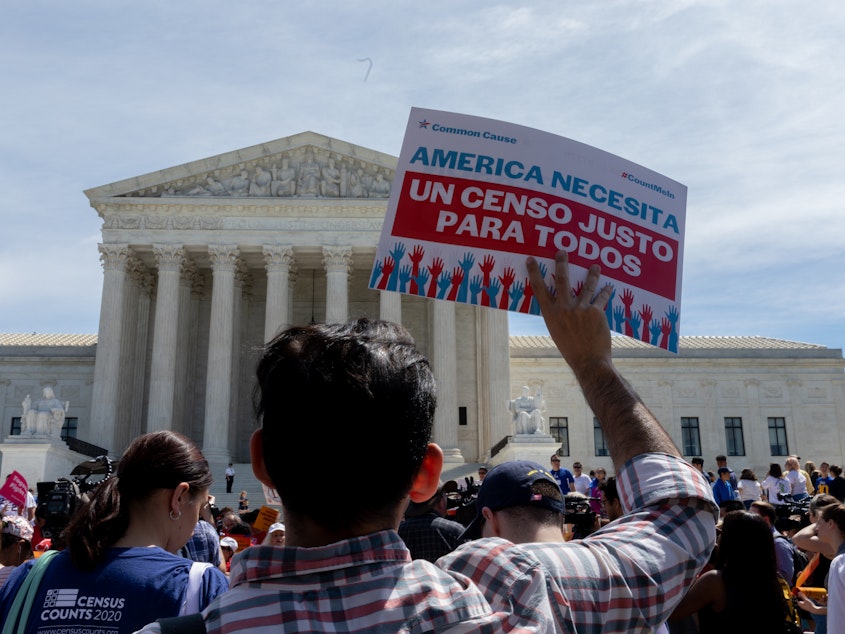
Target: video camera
<point>580,514</point>
<point>792,514</point>
<point>59,500</point>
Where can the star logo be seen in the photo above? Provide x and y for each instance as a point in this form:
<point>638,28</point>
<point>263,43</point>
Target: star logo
<point>425,124</point>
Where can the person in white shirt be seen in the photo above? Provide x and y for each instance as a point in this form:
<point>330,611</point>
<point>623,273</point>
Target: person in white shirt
<point>749,489</point>
<point>797,479</point>
<point>582,482</point>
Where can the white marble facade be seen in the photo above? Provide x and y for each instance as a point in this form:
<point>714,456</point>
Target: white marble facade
<point>204,262</point>
<point>748,380</point>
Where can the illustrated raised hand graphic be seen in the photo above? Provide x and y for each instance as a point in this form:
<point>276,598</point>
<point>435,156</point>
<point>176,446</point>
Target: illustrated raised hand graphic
<point>655,332</point>
<point>466,265</point>
<point>516,293</point>
<point>635,322</point>
<point>457,282</point>
<point>608,310</point>
<point>627,299</point>
<point>404,278</point>
<point>506,278</point>
<point>492,291</point>
<point>421,279</point>
<point>376,272</point>
<point>435,268</point>
<point>386,270</point>
<point>646,314</point>
<point>444,282</point>
<point>666,331</point>
<point>416,257</point>
<point>673,315</point>
<point>397,253</point>
<point>619,319</point>
<point>486,266</point>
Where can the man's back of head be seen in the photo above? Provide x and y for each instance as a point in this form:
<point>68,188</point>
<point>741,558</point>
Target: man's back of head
<point>364,390</point>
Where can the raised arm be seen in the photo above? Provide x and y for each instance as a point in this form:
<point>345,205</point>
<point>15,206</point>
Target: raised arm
<point>578,326</point>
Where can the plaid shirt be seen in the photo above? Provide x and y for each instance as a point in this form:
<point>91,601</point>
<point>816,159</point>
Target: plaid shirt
<point>627,577</point>
<point>204,544</point>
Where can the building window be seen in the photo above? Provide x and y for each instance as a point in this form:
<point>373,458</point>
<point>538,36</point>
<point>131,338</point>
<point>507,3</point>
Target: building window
<point>559,429</point>
<point>690,436</point>
<point>733,436</point>
<point>598,439</point>
<point>777,436</point>
<point>68,429</point>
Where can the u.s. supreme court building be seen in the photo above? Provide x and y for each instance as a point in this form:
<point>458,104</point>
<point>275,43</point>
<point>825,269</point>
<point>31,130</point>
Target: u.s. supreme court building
<point>204,262</point>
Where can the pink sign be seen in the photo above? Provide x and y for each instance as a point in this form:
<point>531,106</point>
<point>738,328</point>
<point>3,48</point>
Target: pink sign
<point>473,197</point>
<point>15,489</point>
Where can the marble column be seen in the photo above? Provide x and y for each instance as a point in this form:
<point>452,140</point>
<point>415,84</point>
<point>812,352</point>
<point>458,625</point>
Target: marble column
<point>170,259</point>
<point>338,263</point>
<point>106,391</point>
<point>133,371</point>
<point>445,366</point>
<point>292,273</point>
<point>390,306</point>
<point>186,352</point>
<point>495,363</point>
<point>4,384</point>
<point>277,261</point>
<point>224,263</point>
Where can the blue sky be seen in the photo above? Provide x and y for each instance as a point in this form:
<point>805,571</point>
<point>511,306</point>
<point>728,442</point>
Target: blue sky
<point>741,102</point>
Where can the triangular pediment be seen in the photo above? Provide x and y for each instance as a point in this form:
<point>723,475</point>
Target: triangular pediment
<point>305,165</point>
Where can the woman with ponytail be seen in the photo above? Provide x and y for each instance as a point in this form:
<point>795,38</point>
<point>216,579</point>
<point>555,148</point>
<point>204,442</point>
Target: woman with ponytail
<point>120,569</point>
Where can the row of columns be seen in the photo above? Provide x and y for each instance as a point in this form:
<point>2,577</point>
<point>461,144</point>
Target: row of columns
<point>119,330</point>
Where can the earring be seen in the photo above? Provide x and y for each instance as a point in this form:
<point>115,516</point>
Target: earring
<point>176,516</point>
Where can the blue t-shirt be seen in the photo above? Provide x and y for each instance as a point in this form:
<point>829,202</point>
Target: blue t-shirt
<point>564,478</point>
<point>130,588</point>
<point>823,484</point>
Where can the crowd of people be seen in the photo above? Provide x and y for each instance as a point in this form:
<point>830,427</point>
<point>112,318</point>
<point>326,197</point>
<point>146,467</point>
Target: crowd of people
<point>148,553</point>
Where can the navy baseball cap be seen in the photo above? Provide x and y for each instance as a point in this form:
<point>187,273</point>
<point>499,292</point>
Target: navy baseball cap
<point>509,484</point>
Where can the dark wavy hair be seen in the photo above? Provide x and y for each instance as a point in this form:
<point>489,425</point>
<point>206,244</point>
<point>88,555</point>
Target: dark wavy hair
<point>746,557</point>
<point>365,387</point>
<point>158,460</point>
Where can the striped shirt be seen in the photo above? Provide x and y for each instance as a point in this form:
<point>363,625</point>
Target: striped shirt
<point>627,577</point>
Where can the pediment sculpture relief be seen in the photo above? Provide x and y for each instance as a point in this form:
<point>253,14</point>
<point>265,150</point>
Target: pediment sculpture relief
<point>307,173</point>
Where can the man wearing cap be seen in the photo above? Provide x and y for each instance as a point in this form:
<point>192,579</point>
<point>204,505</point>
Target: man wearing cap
<point>275,535</point>
<point>519,501</point>
<point>344,565</point>
<point>722,461</point>
<point>722,489</point>
<point>228,546</point>
<point>426,531</point>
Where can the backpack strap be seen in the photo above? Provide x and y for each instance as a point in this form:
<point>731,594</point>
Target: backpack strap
<point>19,612</point>
<point>188,624</point>
<point>191,602</point>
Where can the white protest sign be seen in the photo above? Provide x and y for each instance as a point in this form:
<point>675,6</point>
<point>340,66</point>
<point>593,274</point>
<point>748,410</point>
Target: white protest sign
<point>472,197</point>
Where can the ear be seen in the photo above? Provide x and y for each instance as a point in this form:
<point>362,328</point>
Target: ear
<point>180,494</point>
<point>491,523</point>
<point>256,452</point>
<point>428,477</point>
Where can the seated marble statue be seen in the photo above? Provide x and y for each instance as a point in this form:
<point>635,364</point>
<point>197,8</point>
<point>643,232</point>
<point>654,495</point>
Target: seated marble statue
<point>46,417</point>
<point>527,412</point>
